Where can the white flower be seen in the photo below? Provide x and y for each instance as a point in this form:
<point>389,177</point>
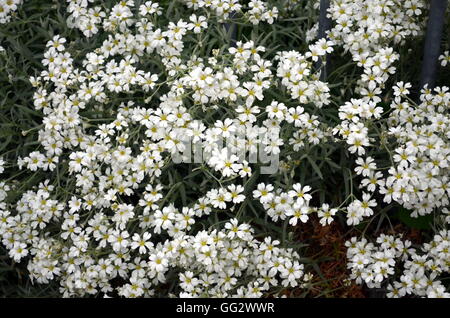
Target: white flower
<point>142,243</point>
<point>326,214</point>
<point>263,193</point>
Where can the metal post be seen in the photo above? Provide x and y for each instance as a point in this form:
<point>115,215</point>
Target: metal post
<point>324,25</point>
<point>433,39</point>
<point>233,33</point>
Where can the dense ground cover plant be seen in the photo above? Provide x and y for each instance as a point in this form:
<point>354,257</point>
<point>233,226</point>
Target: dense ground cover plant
<point>176,148</point>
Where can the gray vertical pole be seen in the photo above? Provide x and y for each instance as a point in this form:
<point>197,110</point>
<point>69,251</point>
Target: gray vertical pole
<point>433,39</point>
<point>324,25</point>
<point>233,33</point>
<point>324,21</point>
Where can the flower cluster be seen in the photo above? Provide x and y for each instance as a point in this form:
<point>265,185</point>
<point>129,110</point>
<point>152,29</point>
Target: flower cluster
<point>254,11</point>
<point>418,178</point>
<point>90,16</point>
<point>366,26</point>
<point>7,7</point>
<point>293,204</point>
<point>296,73</point>
<point>125,119</point>
<point>115,221</point>
<point>356,113</point>
<point>404,270</point>
<point>367,29</point>
<point>211,263</point>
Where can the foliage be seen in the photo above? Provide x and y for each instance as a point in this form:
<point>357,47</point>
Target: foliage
<point>348,129</point>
